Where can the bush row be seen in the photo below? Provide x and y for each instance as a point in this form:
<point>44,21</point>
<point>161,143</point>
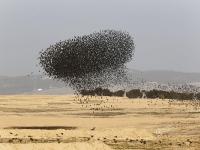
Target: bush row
<point>162,95</point>
<point>102,92</point>
<point>136,93</point>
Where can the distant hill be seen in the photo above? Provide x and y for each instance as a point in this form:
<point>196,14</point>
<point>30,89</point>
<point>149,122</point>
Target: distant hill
<point>37,84</point>
<point>165,76</point>
<point>33,84</point>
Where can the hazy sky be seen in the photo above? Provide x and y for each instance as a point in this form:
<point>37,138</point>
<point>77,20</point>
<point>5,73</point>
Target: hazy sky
<point>166,32</point>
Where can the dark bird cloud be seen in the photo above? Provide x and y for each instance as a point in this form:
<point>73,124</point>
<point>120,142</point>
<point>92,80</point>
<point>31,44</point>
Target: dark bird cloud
<point>89,61</point>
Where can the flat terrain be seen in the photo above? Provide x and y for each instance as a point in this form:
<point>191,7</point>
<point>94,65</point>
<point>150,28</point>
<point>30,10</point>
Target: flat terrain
<point>97,123</point>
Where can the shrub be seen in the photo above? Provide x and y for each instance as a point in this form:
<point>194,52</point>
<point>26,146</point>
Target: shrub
<point>135,93</point>
<point>119,93</point>
<point>182,96</point>
<point>98,91</point>
<point>152,94</point>
<point>87,92</point>
<point>198,96</point>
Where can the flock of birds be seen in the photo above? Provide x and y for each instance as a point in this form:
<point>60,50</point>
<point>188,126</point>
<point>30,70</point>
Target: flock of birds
<point>96,103</point>
<point>128,142</point>
<point>105,103</point>
<point>89,61</point>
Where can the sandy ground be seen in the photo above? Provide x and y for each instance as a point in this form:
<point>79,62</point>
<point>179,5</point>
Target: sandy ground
<point>97,123</point>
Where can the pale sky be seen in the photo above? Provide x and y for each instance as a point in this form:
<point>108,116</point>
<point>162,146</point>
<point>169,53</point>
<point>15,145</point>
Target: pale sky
<point>166,32</point>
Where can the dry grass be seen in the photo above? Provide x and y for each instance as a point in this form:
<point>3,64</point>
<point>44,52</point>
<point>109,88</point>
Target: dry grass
<point>69,122</point>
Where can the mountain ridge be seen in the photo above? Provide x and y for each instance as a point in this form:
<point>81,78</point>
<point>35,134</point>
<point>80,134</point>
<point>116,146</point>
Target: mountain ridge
<point>39,84</point>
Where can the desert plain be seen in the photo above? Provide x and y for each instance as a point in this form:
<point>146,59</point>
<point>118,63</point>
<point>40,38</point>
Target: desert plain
<point>70,122</point>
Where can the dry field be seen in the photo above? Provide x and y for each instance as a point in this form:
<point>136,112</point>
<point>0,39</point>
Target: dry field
<point>42,122</point>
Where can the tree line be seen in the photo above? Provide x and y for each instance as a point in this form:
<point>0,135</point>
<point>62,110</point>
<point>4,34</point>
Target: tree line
<point>137,93</point>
